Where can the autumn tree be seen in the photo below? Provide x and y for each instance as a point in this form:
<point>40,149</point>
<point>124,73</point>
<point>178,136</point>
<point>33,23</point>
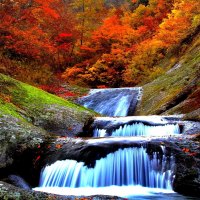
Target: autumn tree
<point>124,39</point>
<point>31,30</point>
<point>89,14</point>
<point>179,23</point>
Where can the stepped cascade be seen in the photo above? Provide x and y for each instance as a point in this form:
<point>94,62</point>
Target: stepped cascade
<point>139,129</point>
<point>129,166</point>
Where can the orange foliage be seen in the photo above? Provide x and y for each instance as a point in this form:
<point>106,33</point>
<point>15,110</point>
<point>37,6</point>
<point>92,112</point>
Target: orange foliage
<point>189,152</point>
<point>58,146</point>
<point>30,30</point>
<point>124,50</point>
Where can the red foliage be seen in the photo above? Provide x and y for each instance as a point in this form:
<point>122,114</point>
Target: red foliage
<point>52,89</point>
<point>120,48</point>
<point>66,94</point>
<point>38,158</point>
<point>31,32</point>
<point>102,86</point>
<point>57,90</point>
<point>62,35</point>
<point>186,150</point>
<point>189,152</point>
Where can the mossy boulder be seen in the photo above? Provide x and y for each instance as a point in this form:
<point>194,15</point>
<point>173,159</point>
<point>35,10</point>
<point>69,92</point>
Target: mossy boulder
<point>29,118</point>
<point>42,109</point>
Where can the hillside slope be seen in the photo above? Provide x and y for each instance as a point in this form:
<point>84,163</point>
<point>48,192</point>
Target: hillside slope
<point>178,90</point>
<point>40,108</point>
<point>27,116</point>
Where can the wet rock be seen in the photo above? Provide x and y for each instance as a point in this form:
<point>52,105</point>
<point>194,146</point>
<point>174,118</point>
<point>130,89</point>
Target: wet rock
<point>62,121</point>
<point>187,152</point>
<point>90,150</point>
<point>19,142</point>
<point>19,182</point>
<point>110,124</point>
<point>193,116</point>
<point>191,127</point>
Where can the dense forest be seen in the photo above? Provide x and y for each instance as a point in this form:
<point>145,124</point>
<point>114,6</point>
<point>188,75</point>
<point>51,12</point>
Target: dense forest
<point>94,43</point>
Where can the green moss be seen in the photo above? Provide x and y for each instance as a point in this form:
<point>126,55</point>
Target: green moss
<point>29,97</point>
<point>9,109</point>
<point>41,109</point>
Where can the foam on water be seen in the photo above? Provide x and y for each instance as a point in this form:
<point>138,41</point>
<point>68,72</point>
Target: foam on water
<point>139,129</point>
<point>121,191</point>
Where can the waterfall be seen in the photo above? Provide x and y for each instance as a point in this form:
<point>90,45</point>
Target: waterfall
<point>139,129</point>
<point>125,167</point>
<point>112,102</point>
<point>130,169</point>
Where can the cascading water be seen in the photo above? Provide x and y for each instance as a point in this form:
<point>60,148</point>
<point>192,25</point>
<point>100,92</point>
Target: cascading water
<point>128,171</point>
<point>139,129</point>
<point>112,102</point>
<point>125,167</point>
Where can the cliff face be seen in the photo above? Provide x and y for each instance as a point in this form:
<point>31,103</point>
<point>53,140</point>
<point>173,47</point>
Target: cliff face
<point>178,90</point>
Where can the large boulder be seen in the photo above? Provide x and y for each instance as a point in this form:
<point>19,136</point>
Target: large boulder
<point>29,118</point>
<point>42,109</point>
<point>20,143</point>
<point>187,180</point>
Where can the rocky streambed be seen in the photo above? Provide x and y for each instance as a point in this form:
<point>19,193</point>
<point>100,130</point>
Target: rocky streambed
<point>25,155</point>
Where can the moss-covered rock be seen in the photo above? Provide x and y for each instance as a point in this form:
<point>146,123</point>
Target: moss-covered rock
<point>29,118</point>
<point>17,135</point>
<point>177,91</point>
<point>41,109</point>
